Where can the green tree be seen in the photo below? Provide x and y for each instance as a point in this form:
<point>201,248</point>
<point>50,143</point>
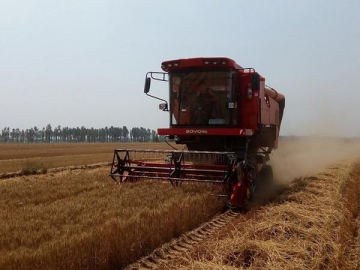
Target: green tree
<point>36,134</point>
<point>5,134</point>
<point>154,136</point>
<point>57,133</point>
<point>22,137</point>
<point>48,133</point>
<point>125,133</point>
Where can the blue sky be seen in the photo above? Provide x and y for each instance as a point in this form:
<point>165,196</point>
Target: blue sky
<point>83,63</point>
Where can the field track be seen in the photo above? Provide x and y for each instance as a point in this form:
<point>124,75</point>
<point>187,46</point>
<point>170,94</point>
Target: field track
<point>184,243</point>
<point>57,170</point>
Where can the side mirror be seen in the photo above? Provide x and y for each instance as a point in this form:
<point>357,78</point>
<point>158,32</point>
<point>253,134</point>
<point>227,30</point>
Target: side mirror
<point>163,106</point>
<point>147,85</point>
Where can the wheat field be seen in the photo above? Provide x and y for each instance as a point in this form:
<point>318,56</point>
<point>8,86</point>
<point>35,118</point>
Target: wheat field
<point>313,224</point>
<point>79,219</point>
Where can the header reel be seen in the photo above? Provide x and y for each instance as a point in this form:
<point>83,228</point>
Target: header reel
<point>177,166</point>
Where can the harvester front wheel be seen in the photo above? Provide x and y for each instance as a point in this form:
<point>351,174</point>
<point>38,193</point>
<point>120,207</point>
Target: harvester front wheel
<point>240,187</point>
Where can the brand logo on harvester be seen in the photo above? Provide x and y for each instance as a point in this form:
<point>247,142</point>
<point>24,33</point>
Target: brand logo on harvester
<point>196,131</point>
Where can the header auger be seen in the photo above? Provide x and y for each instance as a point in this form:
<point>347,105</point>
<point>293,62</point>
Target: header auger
<point>227,118</point>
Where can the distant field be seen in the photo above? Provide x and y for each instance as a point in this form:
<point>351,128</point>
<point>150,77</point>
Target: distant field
<point>15,157</point>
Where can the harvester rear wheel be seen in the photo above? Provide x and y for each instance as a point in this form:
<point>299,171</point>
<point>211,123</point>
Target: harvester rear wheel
<point>266,175</point>
<point>265,186</point>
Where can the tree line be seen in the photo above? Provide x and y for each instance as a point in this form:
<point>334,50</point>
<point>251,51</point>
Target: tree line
<point>60,134</point>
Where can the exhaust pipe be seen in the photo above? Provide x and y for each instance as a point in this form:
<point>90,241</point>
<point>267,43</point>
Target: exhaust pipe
<point>271,92</point>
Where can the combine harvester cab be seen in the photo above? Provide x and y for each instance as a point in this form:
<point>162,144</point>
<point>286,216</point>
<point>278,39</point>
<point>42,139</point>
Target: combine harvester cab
<point>227,118</point>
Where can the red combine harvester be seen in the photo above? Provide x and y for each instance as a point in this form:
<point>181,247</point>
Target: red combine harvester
<point>226,116</point>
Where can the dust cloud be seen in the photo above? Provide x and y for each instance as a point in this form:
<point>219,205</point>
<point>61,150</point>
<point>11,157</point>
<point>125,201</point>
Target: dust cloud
<point>303,156</point>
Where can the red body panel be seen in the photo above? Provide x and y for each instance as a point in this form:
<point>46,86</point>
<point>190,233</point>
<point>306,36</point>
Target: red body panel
<point>187,131</point>
<point>249,104</point>
<point>198,62</point>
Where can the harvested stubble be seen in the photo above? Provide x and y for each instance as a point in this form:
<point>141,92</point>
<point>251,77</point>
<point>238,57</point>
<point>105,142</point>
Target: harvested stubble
<point>81,220</point>
<point>314,224</point>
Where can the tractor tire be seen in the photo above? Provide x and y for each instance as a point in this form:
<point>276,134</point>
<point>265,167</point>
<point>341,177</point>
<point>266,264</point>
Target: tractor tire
<point>266,175</point>
<point>265,186</point>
